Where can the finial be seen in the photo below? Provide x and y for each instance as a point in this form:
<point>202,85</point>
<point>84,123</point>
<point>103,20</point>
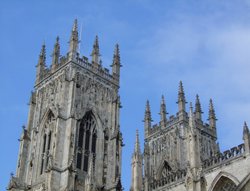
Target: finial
<point>75,26</point>
<point>198,110</point>
<point>147,117</point>
<point>74,41</point>
<point>95,52</point>
<point>211,109</point>
<point>148,107</point>
<point>211,116</point>
<point>181,98</point>
<point>55,55</point>
<point>137,143</point>
<point>245,128</point>
<point>163,112</point>
<point>42,58</point>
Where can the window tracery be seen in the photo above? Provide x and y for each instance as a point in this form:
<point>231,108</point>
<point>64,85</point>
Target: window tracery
<point>86,142</point>
<point>46,142</point>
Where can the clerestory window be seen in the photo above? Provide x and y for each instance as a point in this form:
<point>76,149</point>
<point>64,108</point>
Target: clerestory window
<point>86,142</point>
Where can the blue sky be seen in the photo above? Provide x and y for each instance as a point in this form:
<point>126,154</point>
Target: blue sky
<point>205,43</point>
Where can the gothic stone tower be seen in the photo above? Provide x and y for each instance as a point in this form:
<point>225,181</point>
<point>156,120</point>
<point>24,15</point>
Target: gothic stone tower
<point>181,153</point>
<point>170,146</point>
<point>72,141</point>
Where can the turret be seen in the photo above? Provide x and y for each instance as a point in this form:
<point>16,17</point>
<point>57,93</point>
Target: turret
<point>41,65</point>
<point>55,55</point>
<point>136,184</point>
<point>147,120</point>
<point>246,138</point>
<point>96,53</point>
<point>198,110</point>
<point>116,65</point>
<point>163,113</point>
<point>181,102</point>
<point>211,117</point>
<point>74,41</point>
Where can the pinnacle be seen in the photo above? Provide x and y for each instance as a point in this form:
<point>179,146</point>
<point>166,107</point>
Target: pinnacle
<point>75,26</point>
<point>181,90</point>
<point>162,99</point>
<point>197,104</point>
<point>117,50</point>
<point>147,106</point>
<point>245,128</point>
<point>137,143</point>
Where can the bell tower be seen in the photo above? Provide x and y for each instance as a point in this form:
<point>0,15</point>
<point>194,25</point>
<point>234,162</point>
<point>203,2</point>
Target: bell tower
<point>72,140</point>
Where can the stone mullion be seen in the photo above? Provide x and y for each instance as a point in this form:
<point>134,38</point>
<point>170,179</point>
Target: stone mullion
<point>46,153</point>
<point>83,146</point>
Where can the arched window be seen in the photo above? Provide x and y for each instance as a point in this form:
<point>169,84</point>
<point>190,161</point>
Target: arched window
<point>86,142</point>
<point>224,184</point>
<point>46,142</point>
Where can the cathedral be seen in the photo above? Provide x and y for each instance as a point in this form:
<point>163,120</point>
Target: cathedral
<point>72,140</point>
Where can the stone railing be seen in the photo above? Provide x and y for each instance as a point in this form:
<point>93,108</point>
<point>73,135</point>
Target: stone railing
<point>171,178</point>
<point>98,69</point>
<point>103,72</point>
<point>224,157</point>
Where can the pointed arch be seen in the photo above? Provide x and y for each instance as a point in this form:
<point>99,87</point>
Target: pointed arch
<point>47,127</point>
<point>86,141</point>
<point>164,170</point>
<point>224,180</point>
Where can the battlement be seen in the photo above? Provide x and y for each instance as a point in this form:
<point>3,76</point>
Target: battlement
<point>224,157</point>
<point>73,56</point>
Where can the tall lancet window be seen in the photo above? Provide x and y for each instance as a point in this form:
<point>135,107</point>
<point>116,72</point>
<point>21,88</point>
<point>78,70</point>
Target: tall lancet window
<point>46,142</point>
<point>86,142</point>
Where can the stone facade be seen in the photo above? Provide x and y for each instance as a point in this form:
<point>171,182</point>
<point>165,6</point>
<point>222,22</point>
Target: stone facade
<point>72,141</point>
<point>181,153</point>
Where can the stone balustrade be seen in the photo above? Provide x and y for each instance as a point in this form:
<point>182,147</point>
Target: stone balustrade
<point>225,156</point>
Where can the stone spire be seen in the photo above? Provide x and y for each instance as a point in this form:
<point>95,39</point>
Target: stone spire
<point>136,184</point>
<point>163,113</point>
<point>246,138</point>
<point>181,99</point>
<point>74,41</point>
<point>96,52</point>
<point>41,65</point>
<point>55,55</point>
<point>147,119</point>
<point>211,117</point>
<point>198,110</point>
<point>116,65</point>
